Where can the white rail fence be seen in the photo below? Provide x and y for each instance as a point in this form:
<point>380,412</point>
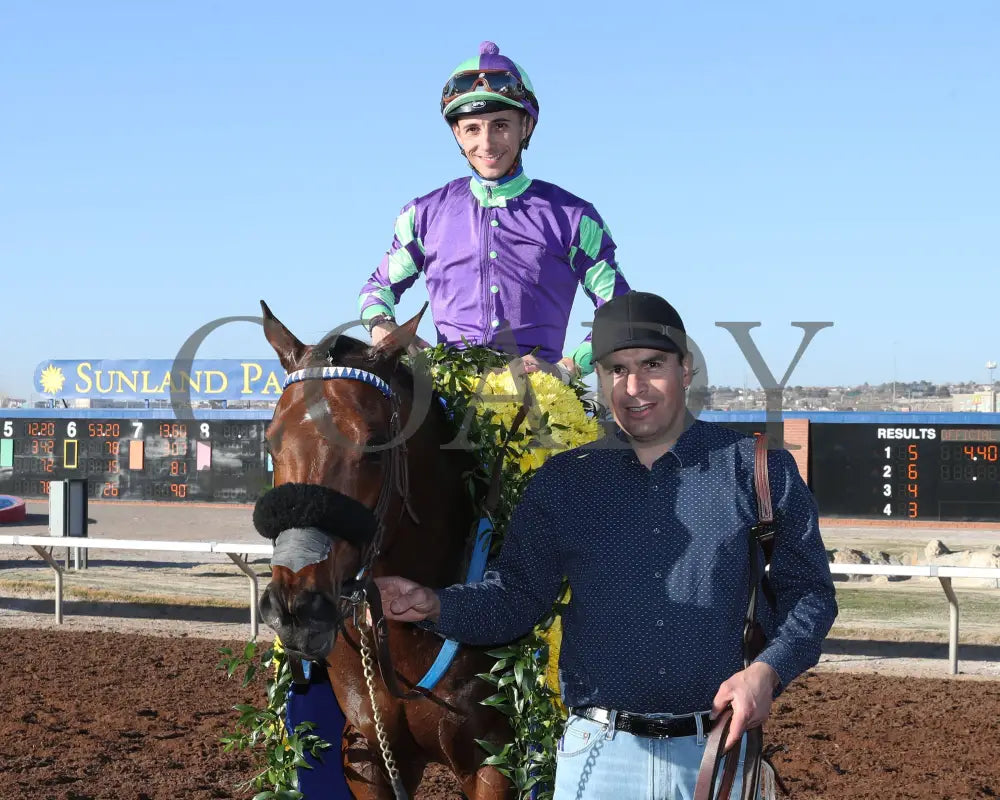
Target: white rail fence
<point>239,552</point>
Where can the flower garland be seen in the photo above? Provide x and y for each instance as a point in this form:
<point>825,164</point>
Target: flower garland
<point>488,394</point>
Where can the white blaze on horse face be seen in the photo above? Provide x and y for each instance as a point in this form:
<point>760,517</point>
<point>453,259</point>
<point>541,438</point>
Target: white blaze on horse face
<point>298,548</point>
<point>316,410</point>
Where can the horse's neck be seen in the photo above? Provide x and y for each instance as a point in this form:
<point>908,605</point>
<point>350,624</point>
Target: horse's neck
<point>431,549</point>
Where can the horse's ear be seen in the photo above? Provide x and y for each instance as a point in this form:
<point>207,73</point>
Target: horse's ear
<point>396,343</point>
<point>289,349</point>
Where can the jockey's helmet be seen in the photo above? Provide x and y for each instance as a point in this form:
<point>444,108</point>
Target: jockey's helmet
<point>486,83</point>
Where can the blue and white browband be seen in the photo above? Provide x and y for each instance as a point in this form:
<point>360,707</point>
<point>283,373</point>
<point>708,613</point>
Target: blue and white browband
<point>329,373</point>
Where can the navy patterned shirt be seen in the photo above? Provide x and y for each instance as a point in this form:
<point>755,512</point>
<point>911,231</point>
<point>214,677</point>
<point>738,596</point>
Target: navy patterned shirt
<point>658,563</point>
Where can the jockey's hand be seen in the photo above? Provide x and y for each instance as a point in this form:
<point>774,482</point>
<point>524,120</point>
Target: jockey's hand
<point>571,367</point>
<point>383,329</point>
<point>750,692</point>
<point>534,364</point>
<point>404,600</point>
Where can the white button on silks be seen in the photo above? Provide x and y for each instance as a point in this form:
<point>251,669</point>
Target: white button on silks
<point>495,323</point>
<point>494,289</point>
<point>493,253</point>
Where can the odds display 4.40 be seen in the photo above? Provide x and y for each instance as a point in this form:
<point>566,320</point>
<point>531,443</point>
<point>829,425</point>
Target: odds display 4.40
<point>912,472</point>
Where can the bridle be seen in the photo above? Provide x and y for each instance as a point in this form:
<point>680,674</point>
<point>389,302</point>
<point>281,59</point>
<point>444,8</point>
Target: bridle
<point>395,481</point>
<point>359,595</point>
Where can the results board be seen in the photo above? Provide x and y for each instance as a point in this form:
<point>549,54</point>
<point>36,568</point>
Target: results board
<point>137,459</point>
<point>858,470</point>
<point>929,472</point>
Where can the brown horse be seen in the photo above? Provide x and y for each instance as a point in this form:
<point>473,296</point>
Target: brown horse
<point>362,483</point>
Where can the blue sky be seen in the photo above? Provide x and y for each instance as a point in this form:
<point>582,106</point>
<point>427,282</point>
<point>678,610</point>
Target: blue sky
<point>166,164</point>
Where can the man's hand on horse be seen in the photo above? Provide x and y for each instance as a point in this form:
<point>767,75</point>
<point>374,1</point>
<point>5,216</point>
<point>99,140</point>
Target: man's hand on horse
<point>750,692</point>
<point>407,601</point>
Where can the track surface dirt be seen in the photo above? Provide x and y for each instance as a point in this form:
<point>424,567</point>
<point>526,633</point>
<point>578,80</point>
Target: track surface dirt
<point>112,716</point>
<point>97,709</point>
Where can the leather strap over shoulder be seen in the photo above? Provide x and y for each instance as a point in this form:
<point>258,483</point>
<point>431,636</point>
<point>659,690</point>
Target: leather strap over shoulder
<point>761,482</point>
<point>715,762</point>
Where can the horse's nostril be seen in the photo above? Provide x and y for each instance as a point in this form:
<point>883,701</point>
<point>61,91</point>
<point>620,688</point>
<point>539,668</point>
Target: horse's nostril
<point>270,610</point>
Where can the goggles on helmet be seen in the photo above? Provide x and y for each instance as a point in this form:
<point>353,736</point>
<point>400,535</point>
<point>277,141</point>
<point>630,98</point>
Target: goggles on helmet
<point>501,82</point>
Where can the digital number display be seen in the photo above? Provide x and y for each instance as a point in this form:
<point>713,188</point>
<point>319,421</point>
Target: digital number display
<point>918,472</point>
<point>857,470</point>
<point>142,459</point>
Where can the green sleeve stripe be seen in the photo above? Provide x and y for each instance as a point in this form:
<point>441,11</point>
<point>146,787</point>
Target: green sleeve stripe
<point>385,303</point>
<point>401,265</point>
<point>405,229</point>
<point>583,357</point>
<point>591,236</point>
<point>600,280</point>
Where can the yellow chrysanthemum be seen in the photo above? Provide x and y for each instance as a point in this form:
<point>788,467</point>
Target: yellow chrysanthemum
<point>567,424</point>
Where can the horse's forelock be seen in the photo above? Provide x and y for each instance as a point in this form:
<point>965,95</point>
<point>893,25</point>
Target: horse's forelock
<point>340,351</point>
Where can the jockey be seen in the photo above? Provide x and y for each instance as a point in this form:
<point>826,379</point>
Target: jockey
<point>502,254</point>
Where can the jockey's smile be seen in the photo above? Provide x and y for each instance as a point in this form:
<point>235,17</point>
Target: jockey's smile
<point>492,142</point>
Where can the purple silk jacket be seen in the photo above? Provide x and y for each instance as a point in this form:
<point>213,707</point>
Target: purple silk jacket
<point>498,256</point>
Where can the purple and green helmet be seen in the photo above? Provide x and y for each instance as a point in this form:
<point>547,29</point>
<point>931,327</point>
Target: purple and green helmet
<point>486,83</point>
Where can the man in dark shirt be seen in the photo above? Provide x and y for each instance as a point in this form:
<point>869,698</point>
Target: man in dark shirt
<point>656,555</point>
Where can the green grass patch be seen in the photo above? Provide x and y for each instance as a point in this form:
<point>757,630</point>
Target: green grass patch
<point>915,607</point>
<point>21,587</point>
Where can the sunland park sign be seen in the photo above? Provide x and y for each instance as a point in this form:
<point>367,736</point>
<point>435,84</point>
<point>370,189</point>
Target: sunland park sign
<point>139,379</point>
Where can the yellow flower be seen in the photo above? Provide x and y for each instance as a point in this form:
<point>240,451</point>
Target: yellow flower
<point>567,425</point>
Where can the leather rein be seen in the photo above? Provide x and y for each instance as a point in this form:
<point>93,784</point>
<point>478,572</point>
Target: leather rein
<point>716,761</point>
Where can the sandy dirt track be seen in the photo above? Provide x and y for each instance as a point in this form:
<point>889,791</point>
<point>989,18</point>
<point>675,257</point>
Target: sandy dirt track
<point>99,708</point>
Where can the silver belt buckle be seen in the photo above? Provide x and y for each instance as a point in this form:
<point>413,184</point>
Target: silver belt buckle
<point>595,714</point>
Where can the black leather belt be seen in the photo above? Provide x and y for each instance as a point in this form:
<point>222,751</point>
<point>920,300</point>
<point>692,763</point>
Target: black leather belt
<point>652,727</point>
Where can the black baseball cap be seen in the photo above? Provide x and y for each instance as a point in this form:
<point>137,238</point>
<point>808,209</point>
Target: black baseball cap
<point>637,319</point>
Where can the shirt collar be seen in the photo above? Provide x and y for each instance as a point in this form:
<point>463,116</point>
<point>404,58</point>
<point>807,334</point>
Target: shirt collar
<point>687,450</point>
<point>495,194</point>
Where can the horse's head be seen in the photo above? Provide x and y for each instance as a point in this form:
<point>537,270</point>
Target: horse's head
<point>339,474</point>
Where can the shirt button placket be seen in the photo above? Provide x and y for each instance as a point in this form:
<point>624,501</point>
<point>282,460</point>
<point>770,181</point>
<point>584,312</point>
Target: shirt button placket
<point>494,288</point>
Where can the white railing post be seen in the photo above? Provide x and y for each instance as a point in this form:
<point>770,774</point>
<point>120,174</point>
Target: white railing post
<point>240,561</point>
<point>953,623</point>
<point>47,556</point>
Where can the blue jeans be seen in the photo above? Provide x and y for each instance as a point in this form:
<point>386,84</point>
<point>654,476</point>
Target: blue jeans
<point>593,763</point>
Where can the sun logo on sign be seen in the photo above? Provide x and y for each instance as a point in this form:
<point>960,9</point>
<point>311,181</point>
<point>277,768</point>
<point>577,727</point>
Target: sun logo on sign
<point>52,379</point>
